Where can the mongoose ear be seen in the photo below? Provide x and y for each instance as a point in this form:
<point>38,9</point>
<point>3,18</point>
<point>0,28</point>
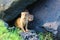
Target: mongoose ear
<point>30,18</point>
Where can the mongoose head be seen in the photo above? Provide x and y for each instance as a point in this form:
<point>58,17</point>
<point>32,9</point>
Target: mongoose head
<point>24,14</point>
<point>30,17</point>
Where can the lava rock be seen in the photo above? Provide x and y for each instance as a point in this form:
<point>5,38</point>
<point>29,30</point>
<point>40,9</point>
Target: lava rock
<point>30,35</point>
<point>39,29</point>
<point>47,13</point>
<point>12,8</point>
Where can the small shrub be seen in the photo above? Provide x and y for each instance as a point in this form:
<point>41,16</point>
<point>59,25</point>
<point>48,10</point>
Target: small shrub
<point>45,36</point>
<point>5,34</point>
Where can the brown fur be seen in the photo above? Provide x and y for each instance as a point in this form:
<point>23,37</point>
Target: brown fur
<point>22,21</point>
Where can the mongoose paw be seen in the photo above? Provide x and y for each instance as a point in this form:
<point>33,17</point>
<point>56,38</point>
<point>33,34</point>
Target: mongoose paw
<point>27,30</point>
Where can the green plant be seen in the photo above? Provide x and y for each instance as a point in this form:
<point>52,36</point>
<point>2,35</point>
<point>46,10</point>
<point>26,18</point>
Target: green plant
<point>6,35</point>
<point>45,36</point>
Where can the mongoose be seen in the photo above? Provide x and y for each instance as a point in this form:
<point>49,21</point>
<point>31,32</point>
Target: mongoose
<point>22,22</point>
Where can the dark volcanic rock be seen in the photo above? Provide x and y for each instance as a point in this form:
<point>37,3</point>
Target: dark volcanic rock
<point>47,13</point>
<point>14,7</point>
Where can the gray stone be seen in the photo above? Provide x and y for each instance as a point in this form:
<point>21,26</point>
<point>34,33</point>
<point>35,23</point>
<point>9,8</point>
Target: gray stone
<point>6,24</point>
<point>31,35</point>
